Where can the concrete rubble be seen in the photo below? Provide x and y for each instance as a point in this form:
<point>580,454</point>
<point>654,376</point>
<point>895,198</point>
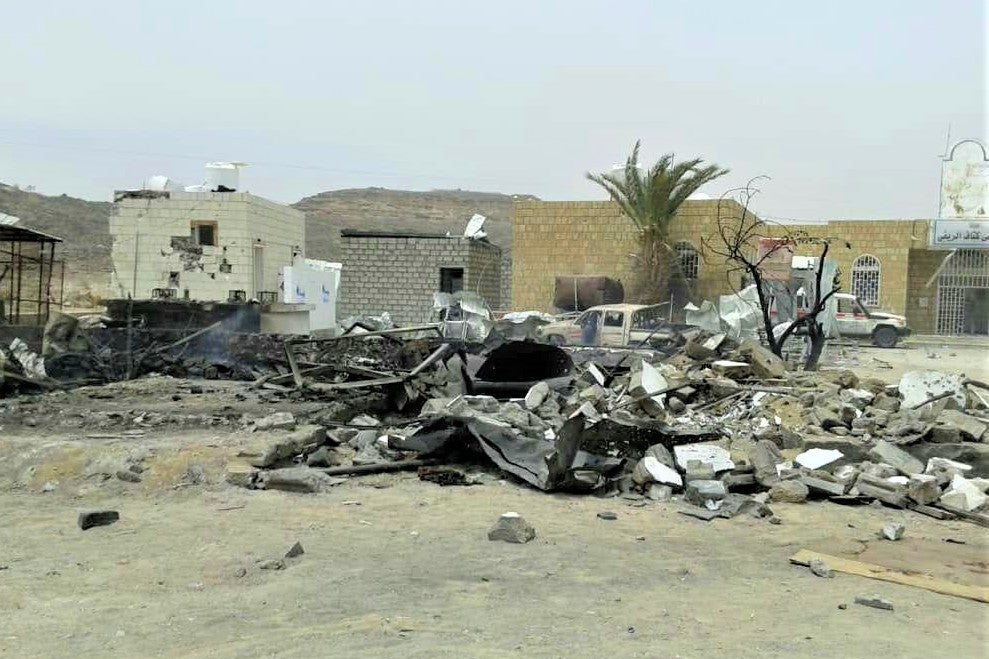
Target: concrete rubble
<point>708,420</point>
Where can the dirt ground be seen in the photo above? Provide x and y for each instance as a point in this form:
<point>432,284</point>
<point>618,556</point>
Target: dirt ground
<point>397,567</point>
<point>891,363</point>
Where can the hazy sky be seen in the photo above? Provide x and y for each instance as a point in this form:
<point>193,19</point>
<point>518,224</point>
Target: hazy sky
<point>844,104</point>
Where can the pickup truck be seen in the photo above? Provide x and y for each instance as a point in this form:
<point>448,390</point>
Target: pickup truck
<point>852,319</point>
<point>611,325</point>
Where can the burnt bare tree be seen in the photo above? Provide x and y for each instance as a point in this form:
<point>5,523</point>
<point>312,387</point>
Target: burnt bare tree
<point>739,236</point>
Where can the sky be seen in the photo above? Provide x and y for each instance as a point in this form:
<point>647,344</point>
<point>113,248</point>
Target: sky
<point>845,106</point>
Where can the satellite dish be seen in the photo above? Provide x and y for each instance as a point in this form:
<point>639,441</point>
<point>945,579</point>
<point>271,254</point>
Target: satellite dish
<point>474,226</point>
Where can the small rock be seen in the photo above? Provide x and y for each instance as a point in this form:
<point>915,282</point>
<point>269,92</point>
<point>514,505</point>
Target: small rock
<point>875,602</point>
<point>775,520</point>
<point>128,476</point>
<point>276,420</point>
<point>240,572</point>
<point>323,457</point>
<point>240,474</point>
<point>295,551</point>
<point>893,530</point>
<point>820,568</point>
<point>842,606</point>
<point>790,491</point>
<point>607,515</point>
<point>676,405</point>
<point>511,527</point>
<point>89,519</point>
<point>272,564</point>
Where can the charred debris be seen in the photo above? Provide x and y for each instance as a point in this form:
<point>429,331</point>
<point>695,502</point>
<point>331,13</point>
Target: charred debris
<point>719,425</point>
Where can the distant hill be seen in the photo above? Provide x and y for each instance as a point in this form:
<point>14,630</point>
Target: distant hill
<point>379,209</point>
<point>84,224</point>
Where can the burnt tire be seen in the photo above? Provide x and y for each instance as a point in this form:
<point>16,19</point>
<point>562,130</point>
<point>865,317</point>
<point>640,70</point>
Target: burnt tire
<point>885,337</point>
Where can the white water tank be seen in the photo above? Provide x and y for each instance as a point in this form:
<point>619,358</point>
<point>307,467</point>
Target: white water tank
<point>223,174</point>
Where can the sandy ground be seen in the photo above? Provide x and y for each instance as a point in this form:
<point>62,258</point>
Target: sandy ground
<point>891,363</point>
<point>397,567</point>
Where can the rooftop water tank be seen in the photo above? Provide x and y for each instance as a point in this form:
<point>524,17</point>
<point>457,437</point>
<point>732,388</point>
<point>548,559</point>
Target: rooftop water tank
<point>223,176</point>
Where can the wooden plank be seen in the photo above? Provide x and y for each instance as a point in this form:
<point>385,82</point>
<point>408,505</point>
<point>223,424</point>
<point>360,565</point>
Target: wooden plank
<point>871,571</point>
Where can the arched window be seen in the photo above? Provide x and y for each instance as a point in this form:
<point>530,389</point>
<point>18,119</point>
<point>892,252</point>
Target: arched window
<point>689,260</point>
<point>866,275</point>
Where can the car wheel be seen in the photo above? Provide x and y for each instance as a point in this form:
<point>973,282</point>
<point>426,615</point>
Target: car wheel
<point>556,340</point>
<point>885,337</point>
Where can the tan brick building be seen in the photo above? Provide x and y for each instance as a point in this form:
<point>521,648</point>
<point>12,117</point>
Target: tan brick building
<point>888,264</point>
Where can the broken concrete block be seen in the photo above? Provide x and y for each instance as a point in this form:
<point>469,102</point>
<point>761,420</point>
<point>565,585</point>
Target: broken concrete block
<point>857,398</point>
<point>717,457</point>
<point>918,386</point>
<point>607,515</point>
<point>764,457</point>
<point>764,363</point>
<point>644,383</point>
<point>789,491</point>
<point>676,405</point>
<point>296,479</point>
<point>731,369</point>
<point>661,453</point>
<point>825,487</point>
<point>511,527</point>
<point>285,447</point>
<point>90,518</point>
<point>893,530</point>
<point>536,395</point>
<point>886,402</point>
<point>272,564</point>
<point>819,568</point>
<point>324,457</point>
<point>923,489</point>
<point>651,470</point>
<point>815,458</point>
<point>295,551</point>
<point>963,494</point>
<point>128,476</point>
<point>698,471</point>
<point>704,349</point>
<point>881,489</point>
<point>657,492</point>
<point>892,455</point>
<point>875,602</point>
<point>698,492</point>
<point>965,426</point>
<point>241,474</point>
<point>274,421</point>
<point>736,504</point>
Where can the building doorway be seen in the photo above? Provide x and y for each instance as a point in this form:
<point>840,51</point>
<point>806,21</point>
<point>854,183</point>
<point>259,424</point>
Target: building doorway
<point>963,293</point>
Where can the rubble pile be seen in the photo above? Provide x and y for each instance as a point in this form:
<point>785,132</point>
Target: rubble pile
<point>720,425</point>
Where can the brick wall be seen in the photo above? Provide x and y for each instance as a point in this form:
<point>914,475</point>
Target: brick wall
<point>400,274</point>
<point>593,238</point>
<point>143,232</point>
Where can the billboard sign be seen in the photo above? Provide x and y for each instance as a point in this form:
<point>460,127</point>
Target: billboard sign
<point>963,210</point>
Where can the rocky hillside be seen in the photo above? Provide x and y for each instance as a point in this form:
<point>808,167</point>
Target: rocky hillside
<point>84,224</point>
<point>81,224</point>
<point>379,209</point>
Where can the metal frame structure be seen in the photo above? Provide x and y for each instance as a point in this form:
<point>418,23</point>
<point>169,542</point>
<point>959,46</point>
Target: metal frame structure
<point>867,279</point>
<point>963,269</point>
<point>23,252</point>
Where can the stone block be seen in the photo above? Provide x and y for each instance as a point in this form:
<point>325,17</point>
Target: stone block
<point>511,527</point>
<point>764,363</point>
<point>241,474</point>
<point>893,455</point>
<point>698,492</point>
<point>789,491</point>
<point>923,489</point>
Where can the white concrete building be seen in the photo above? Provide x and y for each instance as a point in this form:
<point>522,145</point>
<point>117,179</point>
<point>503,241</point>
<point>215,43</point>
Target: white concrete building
<point>202,245</point>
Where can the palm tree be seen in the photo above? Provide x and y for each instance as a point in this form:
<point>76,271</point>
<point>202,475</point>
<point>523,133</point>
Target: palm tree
<point>651,199</point>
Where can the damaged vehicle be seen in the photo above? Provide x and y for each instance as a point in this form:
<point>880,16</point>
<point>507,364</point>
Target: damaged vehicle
<point>612,325</point>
